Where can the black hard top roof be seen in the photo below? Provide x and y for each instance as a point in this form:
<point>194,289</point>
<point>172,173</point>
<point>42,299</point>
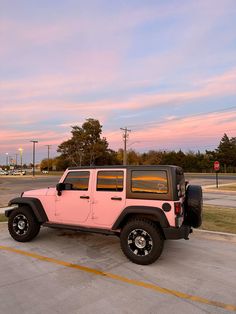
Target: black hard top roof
<point>124,167</point>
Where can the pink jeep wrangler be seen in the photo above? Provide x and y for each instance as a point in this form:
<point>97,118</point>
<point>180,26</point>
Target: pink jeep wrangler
<point>143,205</point>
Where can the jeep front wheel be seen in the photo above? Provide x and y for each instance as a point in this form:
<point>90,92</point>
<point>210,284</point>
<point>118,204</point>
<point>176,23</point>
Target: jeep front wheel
<point>22,224</point>
<point>141,241</point>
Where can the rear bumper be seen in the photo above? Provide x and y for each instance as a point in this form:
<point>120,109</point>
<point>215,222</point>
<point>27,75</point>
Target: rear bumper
<point>173,233</point>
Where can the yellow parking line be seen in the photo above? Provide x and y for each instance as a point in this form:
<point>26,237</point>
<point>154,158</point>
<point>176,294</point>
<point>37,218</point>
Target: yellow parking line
<point>157,288</point>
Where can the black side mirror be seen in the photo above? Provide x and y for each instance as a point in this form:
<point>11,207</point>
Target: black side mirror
<point>63,186</point>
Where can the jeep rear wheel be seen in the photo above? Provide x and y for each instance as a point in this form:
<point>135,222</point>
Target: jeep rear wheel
<point>141,241</point>
<point>22,224</point>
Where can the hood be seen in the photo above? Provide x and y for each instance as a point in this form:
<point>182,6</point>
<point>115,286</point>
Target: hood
<point>36,192</point>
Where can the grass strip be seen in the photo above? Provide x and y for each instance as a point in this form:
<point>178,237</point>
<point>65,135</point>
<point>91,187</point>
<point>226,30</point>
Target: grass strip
<point>217,218</point>
<point>231,187</point>
<point>3,218</point>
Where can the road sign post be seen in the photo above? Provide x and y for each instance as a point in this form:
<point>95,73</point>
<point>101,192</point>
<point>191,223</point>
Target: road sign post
<point>217,169</point>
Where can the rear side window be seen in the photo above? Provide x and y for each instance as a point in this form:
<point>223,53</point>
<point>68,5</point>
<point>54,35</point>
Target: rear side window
<point>110,181</point>
<point>78,179</point>
<point>149,181</point>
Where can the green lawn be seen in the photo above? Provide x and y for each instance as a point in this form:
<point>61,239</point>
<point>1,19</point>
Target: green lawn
<point>3,218</point>
<point>216,218</point>
<point>231,187</point>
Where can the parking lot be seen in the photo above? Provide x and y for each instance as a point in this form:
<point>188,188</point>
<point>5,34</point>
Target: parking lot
<point>72,272</point>
<point>62,271</point>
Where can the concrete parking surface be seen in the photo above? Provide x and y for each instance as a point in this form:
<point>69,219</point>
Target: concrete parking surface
<point>68,272</point>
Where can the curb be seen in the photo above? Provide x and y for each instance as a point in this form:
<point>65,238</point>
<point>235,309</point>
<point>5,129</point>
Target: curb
<point>215,232</point>
<point>206,190</point>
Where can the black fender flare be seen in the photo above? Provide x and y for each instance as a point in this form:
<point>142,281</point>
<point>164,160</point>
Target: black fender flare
<point>33,203</point>
<point>142,210</point>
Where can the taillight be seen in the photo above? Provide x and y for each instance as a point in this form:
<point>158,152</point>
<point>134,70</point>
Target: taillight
<point>178,208</point>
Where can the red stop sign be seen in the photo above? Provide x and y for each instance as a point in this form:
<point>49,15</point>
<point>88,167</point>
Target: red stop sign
<point>216,166</point>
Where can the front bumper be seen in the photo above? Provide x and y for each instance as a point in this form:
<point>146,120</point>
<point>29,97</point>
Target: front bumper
<point>7,210</point>
<point>174,233</point>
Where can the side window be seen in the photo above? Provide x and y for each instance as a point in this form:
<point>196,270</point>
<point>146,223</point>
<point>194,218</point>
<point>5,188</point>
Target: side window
<point>110,181</point>
<point>149,181</point>
<point>78,179</point>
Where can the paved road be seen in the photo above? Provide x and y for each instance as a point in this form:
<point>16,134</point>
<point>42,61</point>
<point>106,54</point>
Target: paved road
<point>209,179</point>
<point>11,187</point>
<point>223,199</point>
<point>40,277</point>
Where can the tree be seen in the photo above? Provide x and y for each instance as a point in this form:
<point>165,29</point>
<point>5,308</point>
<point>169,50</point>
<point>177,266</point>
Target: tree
<point>226,151</point>
<point>44,164</point>
<point>152,157</point>
<point>132,157</point>
<point>86,147</point>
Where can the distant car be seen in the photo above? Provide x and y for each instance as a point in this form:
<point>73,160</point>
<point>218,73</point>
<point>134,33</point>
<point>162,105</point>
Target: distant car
<point>18,173</point>
<point>3,173</point>
<point>44,171</point>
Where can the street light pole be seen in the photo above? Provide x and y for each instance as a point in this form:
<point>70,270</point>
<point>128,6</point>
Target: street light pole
<point>7,160</point>
<point>21,151</point>
<point>16,161</point>
<point>34,142</point>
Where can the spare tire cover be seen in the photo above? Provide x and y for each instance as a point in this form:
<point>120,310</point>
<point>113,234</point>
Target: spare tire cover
<point>193,206</point>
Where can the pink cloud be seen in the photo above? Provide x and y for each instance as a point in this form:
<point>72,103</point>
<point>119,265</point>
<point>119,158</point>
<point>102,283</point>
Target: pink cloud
<point>221,85</point>
<point>183,132</point>
<point>189,132</point>
<point>62,28</point>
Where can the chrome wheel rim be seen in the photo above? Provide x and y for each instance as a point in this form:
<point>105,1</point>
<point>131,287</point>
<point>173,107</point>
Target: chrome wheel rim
<point>140,242</point>
<point>20,224</point>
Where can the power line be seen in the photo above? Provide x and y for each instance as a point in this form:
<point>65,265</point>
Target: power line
<point>125,137</point>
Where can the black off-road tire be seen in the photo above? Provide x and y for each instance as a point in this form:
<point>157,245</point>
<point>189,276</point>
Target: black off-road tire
<point>193,206</point>
<point>141,241</point>
<point>22,224</point>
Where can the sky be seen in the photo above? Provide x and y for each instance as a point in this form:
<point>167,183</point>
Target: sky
<point>166,70</point>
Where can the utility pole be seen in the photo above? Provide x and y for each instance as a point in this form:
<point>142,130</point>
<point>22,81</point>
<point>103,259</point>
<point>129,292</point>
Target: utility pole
<point>16,161</point>
<point>34,142</point>
<point>125,137</point>
<point>7,159</point>
<point>21,164</point>
<point>48,146</point>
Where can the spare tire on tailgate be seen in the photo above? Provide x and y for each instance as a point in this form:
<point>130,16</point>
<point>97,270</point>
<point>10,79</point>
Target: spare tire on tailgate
<point>193,206</point>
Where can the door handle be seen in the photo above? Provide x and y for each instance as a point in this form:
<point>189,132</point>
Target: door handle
<point>84,196</point>
<point>116,198</point>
